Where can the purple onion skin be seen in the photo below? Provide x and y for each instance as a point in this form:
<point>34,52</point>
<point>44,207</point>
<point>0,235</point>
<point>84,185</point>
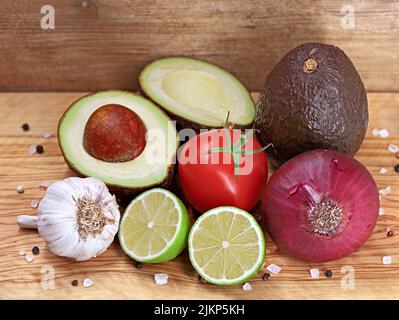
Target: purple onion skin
<point>307,180</point>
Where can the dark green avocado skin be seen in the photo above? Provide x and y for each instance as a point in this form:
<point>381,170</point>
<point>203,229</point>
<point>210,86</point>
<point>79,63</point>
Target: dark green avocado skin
<point>299,111</point>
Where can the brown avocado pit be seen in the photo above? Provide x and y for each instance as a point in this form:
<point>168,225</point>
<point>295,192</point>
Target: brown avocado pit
<point>114,133</point>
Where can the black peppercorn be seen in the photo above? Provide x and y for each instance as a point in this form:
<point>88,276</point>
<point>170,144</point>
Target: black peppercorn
<point>138,265</point>
<point>397,168</point>
<point>25,127</point>
<point>35,250</point>
<point>266,276</point>
<point>39,149</point>
<point>328,273</point>
<point>75,283</point>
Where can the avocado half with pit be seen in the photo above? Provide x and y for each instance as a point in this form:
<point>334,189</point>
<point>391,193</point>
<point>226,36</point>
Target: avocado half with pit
<point>197,94</point>
<point>313,98</point>
<point>120,138</point>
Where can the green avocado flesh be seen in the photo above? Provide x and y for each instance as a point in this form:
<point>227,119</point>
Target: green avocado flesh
<point>151,167</point>
<point>197,92</point>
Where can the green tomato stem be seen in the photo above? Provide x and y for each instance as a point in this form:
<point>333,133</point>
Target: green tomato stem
<point>237,150</point>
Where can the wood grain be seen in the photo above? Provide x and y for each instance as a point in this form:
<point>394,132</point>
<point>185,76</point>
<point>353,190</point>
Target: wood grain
<point>103,44</point>
<point>114,274</point>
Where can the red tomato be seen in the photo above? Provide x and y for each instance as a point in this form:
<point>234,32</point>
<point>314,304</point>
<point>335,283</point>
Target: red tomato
<point>209,177</point>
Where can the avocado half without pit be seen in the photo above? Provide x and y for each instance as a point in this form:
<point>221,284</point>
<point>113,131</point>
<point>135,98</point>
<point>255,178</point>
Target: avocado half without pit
<point>197,94</point>
<point>120,138</point>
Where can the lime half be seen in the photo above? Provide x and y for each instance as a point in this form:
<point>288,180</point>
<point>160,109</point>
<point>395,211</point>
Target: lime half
<point>226,246</point>
<point>154,227</point>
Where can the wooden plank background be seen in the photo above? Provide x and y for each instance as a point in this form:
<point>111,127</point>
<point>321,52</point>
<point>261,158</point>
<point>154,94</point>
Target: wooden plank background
<point>103,44</point>
<point>114,274</point>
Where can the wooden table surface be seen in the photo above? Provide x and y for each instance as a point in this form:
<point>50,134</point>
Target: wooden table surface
<point>115,276</point>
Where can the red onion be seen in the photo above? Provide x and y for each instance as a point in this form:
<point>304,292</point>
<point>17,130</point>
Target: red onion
<point>320,206</point>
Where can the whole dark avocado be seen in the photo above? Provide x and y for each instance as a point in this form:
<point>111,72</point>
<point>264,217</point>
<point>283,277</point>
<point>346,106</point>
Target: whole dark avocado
<point>313,98</point>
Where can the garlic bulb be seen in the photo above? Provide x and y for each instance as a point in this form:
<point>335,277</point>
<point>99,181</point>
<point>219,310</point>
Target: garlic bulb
<point>78,218</point>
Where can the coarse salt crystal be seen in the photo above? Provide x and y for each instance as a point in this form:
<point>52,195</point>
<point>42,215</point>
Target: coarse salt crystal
<point>387,260</point>
<point>34,203</point>
<point>44,185</point>
<point>247,287</point>
<point>20,189</point>
<point>314,273</point>
<point>87,283</point>
<point>384,133</point>
<point>273,268</point>
<point>375,132</point>
<point>47,135</point>
<point>393,148</point>
<point>29,258</point>
<point>381,211</point>
<point>21,252</point>
<point>383,170</point>
<point>32,149</point>
<point>161,279</point>
<point>385,191</point>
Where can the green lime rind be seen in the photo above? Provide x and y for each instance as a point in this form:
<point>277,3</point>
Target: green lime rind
<point>179,240</point>
<point>249,273</point>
